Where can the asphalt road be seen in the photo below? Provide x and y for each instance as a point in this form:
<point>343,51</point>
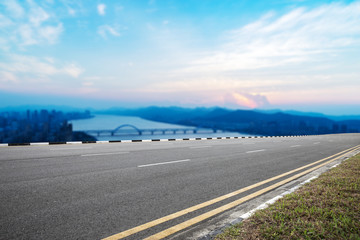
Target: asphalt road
<point>92,191</point>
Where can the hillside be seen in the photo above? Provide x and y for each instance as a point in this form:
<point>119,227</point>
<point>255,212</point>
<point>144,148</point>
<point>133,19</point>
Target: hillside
<point>245,121</point>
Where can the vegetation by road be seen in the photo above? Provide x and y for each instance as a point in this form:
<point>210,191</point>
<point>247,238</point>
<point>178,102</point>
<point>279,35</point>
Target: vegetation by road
<point>326,208</point>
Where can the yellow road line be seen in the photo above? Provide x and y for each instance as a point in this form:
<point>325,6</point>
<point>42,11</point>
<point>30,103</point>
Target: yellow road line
<point>210,202</point>
<point>233,204</point>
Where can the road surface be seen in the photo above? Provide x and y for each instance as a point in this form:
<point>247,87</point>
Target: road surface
<point>93,191</point>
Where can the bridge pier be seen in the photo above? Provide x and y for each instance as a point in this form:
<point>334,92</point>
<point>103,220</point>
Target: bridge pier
<point>140,132</point>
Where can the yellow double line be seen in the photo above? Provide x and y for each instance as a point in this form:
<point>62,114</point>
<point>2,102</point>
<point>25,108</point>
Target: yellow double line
<point>225,207</point>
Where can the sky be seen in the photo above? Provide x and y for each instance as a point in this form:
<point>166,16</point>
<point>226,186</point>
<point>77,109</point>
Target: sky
<point>282,54</point>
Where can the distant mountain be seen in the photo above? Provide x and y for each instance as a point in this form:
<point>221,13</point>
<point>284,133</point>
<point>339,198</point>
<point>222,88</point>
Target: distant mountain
<point>312,114</point>
<point>269,122</point>
<point>162,114</point>
<point>245,121</point>
<point>293,112</point>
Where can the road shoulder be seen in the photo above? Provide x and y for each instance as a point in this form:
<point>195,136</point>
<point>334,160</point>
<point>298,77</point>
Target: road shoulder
<point>216,225</point>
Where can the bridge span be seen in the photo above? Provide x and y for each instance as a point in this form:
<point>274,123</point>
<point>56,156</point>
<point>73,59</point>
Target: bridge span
<point>128,129</point>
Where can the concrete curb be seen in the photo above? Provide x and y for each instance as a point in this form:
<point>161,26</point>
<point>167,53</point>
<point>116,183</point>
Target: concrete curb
<point>137,140</point>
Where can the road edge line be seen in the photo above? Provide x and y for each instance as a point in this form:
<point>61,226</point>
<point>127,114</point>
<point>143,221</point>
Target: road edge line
<point>169,217</point>
<point>207,215</point>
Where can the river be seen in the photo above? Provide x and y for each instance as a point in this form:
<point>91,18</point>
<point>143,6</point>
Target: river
<point>111,122</point>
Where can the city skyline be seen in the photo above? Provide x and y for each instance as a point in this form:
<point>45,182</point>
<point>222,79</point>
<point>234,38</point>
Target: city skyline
<point>290,55</point>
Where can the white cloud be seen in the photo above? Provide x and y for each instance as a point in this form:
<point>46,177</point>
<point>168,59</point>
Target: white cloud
<point>296,37</point>
<point>87,84</point>
<point>28,64</point>
<point>71,11</point>
<point>221,84</point>
<point>215,90</point>
<point>50,60</point>
<point>264,60</point>
<point>5,22</point>
<point>74,7</point>
<point>37,15</point>
<point>27,35</point>
<point>73,70</point>
<point>245,100</point>
<point>4,44</point>
<point>6,77</point>
<point>14,8</point>
<point>31,36</point>
<point>101,9</point>
<point>104,30</point>
<point>22,64</point>
<point>50,33</point>
<point>94,78</point>
<point>29,24</point>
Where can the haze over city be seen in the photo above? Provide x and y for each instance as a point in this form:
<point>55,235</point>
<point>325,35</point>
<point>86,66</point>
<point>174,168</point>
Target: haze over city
<point>288,55</point>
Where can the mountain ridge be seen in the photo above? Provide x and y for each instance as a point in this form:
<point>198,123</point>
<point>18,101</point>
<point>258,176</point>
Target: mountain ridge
<point>245,121</point>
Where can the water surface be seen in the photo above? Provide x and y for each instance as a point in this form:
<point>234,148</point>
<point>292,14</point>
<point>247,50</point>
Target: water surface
<point>111,122</point>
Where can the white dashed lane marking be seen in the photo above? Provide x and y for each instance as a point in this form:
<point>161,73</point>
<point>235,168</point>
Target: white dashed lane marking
<point>103,154</point>
<point>62,149</point>
<point>163,163</point>
<point>254,151</point>
<point>200,147</point>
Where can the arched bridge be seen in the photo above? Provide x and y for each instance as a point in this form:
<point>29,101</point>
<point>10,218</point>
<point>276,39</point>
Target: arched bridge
<point>128,129</point>
<point>124,126</point>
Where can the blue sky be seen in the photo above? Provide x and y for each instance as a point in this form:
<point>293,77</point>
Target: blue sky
<point>287,54</point>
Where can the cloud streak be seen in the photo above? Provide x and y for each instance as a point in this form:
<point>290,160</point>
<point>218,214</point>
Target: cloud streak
<point>299,52</point>
<point>287,54</point>
<point>22,64</point>
<point>14,8</point>
<point>105,30</point>
<point>101,9</point>
<point>30,25</point>
<point>299,36</point>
